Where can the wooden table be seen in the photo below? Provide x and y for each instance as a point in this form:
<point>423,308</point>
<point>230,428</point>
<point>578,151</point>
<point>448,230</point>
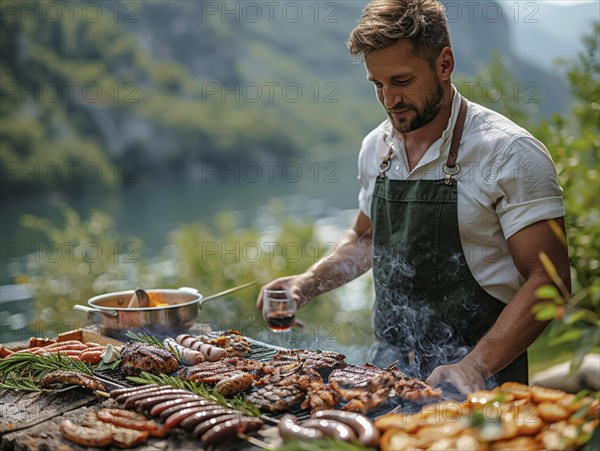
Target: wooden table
<point>30,421</point>
<point>42,413</point>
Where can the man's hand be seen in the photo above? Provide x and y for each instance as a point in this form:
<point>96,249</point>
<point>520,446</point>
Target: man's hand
<point>465,375</point>
<point>351,258</point>
<point>297,287</point>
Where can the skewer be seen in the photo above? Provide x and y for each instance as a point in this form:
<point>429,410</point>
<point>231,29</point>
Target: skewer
<point>255,441</point>
<point>392,365</point>
<point>102,394</point>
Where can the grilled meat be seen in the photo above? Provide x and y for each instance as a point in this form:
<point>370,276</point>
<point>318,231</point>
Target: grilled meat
<point>232,341</point>
<point>229,428</point>
<point>414,389</point>
<point>278,372</point>
<point>234,384</point>
<point>227,378</point>
<point>317,360</point>
<point>138,357</point>
<point>276,398</point>
<point>98,437</point>
<point>318,397</point>
<point>248,365</point>
<point>70,377</point>
<point>365,376</point>
<point>363,386</point>
<point>365,401</point>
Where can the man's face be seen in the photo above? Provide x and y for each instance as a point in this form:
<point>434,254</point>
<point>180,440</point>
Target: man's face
<point>407,86</point>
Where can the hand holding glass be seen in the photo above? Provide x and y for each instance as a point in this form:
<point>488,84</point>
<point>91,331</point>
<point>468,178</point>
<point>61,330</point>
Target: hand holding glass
<point>279,309</point>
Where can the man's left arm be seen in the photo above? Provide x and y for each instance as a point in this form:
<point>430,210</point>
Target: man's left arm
<point>516,327</point>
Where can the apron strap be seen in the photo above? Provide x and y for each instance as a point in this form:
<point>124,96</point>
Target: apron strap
<point>457,133</point>
<point>450,168</point>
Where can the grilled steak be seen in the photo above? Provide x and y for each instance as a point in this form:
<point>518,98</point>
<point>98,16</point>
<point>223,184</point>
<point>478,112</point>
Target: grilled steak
<point>317,360</point>
<point>364,386</point>
<point>362,376</point>
<point>248,365</point>
<point>276,398</point>
<point>70,377</point>
<point>138,357</point>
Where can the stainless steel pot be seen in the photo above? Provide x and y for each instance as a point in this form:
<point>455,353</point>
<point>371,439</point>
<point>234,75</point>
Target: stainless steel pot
<point>109,312</point>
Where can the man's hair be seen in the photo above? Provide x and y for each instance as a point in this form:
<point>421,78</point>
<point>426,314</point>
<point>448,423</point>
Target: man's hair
<point>384,22</point>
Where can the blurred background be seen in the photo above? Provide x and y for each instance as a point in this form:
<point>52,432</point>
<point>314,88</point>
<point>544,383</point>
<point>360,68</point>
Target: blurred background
<point>208,143</point>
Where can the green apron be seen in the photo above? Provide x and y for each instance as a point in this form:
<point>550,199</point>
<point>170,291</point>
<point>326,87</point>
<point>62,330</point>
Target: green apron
<point>429,309</point>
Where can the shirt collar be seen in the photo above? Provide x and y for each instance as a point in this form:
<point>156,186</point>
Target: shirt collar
<point>390,133</point>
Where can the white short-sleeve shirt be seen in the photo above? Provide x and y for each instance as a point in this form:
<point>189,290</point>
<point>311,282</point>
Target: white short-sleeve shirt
<point>507,181</point>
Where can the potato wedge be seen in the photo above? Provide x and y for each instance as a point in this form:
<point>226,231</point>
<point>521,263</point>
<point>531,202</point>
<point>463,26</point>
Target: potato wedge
<point>552,412</point>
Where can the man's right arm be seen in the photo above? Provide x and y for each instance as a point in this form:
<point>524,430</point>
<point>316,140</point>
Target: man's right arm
<point>350,259</point>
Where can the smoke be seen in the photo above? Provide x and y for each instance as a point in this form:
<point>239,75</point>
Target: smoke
<point>418,326</point>
<point>348,269</point>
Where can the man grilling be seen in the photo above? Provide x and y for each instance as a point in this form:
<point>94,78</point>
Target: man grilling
<point>455,205</point>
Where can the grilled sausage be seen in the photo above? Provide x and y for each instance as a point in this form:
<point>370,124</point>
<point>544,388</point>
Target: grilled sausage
<point>91,344</point>
<point>62,343</point>
<point>210,352</point>
<point>289,430</point>
<point>131,390</point>
<point>200,417</point>
<point>364,428</point>
<point>127,419</point>
<point>187,341</point>
<point>151,401</point>
<point>217,418</point>
<point>61,347</point>
<point>160,407</point>
<point>84,436</point>
<point>91,356</point>
<point>224,430</point>
<point>132,401</point>
<point>176,418</point>
<point>148,390</point>
<point>201,404</point>
<point>332,428</point>
<point>188,356</point>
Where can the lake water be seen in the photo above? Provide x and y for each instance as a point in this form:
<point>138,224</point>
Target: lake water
<point>151,209</point>
<point>323,191</point>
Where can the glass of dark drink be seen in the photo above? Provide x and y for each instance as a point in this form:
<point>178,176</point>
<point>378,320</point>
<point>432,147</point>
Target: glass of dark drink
<point>279,309</point>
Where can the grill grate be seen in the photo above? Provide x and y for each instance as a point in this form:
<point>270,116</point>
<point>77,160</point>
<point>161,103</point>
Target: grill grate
<point>113,376</point>
<point>264,352</point>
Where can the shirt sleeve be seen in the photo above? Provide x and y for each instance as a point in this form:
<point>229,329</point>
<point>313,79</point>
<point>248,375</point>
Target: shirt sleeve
<point>367,174</point>
<point>527,186</point>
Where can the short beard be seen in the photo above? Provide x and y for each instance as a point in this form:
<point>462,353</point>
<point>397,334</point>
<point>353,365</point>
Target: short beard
<point>423,116</point>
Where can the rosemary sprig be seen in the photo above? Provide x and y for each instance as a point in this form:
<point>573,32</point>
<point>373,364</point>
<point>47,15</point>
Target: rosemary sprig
<point>27,365</point>
<point>57,361</point>
<point>174,350</point>
<point>145,338</point>
<point>238,402</point>
<point>22,384</point>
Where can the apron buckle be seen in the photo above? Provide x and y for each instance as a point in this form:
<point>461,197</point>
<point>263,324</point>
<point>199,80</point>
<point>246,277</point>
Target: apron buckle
<point>384,166</point>
<point>449,173</point>
<point>386,163</point>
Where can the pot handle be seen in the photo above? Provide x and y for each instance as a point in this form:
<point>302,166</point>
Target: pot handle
<point>188,290</point>
<point>83,308</point>
<point>223,293</point>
